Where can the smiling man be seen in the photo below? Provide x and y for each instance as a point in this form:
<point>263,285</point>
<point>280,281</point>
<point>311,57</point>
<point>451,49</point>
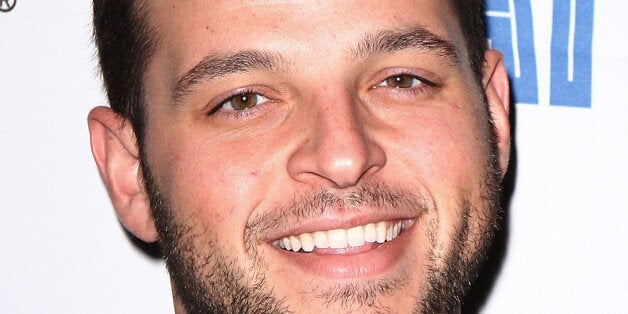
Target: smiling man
<point>305,156</point>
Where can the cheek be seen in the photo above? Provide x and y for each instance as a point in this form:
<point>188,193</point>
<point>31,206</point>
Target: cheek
<point>212,184</point>
<point>442,154</point>
<point>442,149</point>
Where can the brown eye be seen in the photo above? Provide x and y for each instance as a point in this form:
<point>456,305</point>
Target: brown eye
<point>243,101</point>
<point>401,81</point>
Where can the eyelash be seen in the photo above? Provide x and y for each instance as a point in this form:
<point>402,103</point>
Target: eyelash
<point>237,114</point>
<point>420,88</point>
<point>423,84</point>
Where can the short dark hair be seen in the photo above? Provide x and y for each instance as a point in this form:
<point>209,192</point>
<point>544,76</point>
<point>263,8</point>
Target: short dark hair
<point>126,43</point>
<point>471,16</point>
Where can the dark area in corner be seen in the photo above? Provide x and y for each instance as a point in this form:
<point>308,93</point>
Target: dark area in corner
<point>152,250</point>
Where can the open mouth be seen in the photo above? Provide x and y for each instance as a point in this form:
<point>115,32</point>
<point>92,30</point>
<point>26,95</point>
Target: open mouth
<point>338,239</point>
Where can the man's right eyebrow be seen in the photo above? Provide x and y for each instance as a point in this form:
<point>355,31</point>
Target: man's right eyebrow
<point>220,64</point>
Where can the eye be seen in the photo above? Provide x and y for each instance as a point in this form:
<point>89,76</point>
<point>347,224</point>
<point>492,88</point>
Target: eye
<point>242,101</point>
<point>401,81</point>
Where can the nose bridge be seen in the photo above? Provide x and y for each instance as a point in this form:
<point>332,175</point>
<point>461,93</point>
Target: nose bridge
<point>339,131</point>
<point>338,151</point>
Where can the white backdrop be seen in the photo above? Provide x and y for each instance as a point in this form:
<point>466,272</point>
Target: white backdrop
<point>62,250</point>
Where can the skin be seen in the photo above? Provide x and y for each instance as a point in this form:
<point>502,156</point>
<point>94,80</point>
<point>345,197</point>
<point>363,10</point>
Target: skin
<point>330,124</point>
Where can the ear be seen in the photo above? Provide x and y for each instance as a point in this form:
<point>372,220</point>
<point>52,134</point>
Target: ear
<point>498,94</point>
<point>116,152</point>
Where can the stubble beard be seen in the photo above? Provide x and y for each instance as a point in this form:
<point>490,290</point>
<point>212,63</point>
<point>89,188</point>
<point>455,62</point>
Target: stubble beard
<point>207,280</point>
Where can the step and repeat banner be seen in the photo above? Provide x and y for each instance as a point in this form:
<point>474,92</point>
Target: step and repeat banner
<point>564,246</point>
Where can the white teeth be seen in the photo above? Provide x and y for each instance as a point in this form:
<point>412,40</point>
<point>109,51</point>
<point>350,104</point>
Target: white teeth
<point>295,243</point>
<point>307,242</point>
<point>395,230</point>
<point>320,240</point>
<point>389,233</point>
<point>379,232</point>
<point>337,238</point>
<point>370,233</point>
<point>286,243</point>
<point>355,236</point>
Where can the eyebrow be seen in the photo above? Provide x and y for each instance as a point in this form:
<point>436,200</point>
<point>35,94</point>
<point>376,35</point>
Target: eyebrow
<point>414,37</point>
<point>217,65</point>
<point>220,64</point>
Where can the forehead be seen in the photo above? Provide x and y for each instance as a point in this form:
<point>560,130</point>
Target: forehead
<point>187,30</point>
<point>300,14</point>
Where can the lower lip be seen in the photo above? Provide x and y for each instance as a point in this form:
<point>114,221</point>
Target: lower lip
<point>371,259</point>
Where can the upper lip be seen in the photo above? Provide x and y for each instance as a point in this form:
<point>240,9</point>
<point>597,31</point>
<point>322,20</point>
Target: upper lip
<point>330,221</point>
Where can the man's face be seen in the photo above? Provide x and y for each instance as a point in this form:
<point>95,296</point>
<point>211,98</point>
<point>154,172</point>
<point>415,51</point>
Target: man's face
<point>316,155</point>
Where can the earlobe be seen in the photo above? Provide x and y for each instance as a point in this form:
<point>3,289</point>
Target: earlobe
<point>497,88</point>
<point>117,156</point>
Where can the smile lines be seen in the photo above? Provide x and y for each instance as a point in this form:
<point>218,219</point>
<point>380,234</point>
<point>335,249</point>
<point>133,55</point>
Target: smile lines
<point>379,232</point>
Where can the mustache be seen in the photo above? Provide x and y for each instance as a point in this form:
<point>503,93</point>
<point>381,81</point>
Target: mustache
<point>376,196</point>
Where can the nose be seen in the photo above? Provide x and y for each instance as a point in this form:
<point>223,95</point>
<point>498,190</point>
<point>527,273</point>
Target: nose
<point>337,150</point>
